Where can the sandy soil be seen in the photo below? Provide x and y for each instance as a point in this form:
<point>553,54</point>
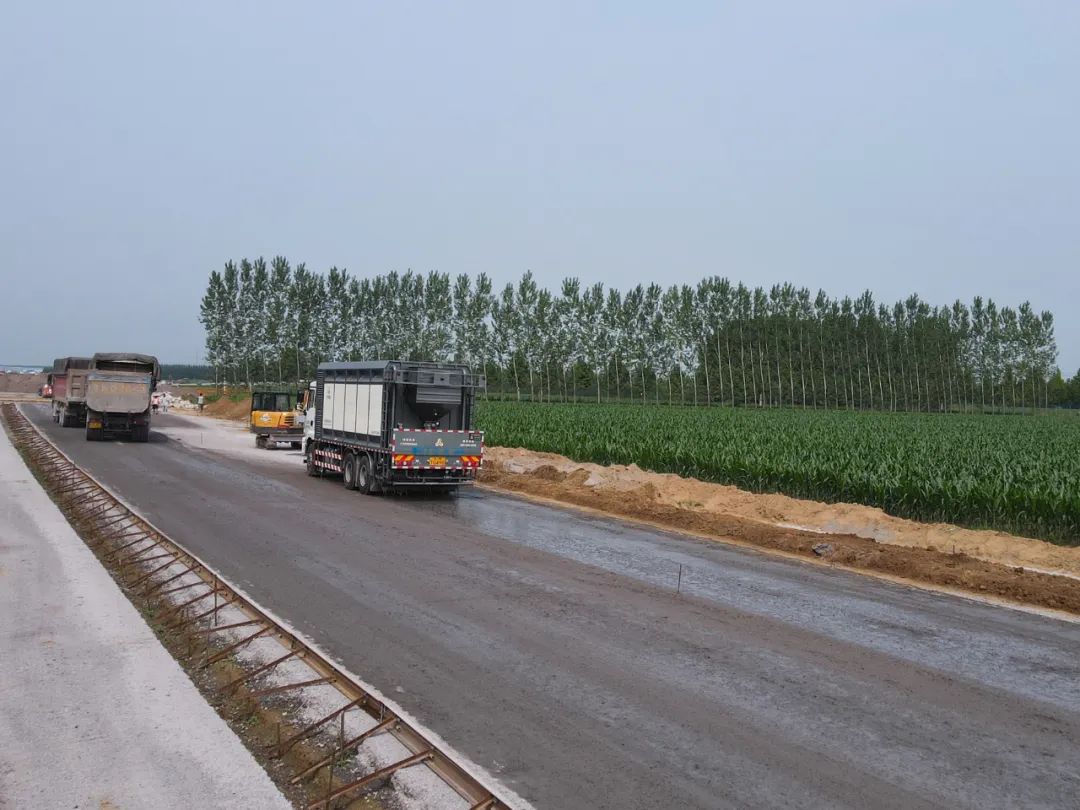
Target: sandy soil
<point>862,538</point>
<point>20,383</point>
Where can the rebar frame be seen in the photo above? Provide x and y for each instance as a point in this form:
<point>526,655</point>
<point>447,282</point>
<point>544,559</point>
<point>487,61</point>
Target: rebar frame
<point>127,542</point>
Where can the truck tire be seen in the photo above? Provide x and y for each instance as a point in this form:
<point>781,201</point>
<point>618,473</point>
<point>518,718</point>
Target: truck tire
<point>363,475</point>
<point>312,470</point>
<point>140,433</point>
<point>93,434</point>
<point>349,471</point>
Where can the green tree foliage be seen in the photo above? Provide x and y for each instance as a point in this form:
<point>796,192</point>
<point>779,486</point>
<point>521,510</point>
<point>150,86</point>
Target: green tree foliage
<point>186,371</point>
<point>716,342</point>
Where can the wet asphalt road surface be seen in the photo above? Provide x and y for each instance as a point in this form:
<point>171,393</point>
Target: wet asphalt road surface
<point>550,647</point>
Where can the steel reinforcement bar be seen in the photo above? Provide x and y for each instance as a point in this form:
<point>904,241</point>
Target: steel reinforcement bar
<point>151,564</point>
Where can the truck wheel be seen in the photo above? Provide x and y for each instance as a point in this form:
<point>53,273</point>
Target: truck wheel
<point>312,470</point>
<point>349,471</point>
<point>140,433</point>
<point>93,434</point>
<point>363,475</point>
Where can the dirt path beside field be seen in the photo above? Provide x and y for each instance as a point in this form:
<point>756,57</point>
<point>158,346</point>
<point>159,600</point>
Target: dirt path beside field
<point>860,537</point>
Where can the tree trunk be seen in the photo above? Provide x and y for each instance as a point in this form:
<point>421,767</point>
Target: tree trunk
<point>708,387</point>
<point>753,374</point>
<point>824,376</point>
<point>742,364</point>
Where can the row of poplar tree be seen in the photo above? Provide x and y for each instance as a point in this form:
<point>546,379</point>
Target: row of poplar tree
<point>714,342</point>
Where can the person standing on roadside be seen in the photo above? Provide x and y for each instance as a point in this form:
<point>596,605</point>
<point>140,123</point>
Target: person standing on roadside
<point>201,401</point>
<point>165,402</point>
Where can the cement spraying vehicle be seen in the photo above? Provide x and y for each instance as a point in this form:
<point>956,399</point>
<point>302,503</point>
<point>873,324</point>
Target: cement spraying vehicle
<point>392,425</point>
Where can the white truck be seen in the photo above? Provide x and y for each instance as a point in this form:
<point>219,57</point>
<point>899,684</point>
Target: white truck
<point>394,424</point>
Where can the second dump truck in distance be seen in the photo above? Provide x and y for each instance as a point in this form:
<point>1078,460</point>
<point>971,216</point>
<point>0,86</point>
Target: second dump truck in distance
<point>394,424</point>
<point>68,381</point>
<point>118,390</point>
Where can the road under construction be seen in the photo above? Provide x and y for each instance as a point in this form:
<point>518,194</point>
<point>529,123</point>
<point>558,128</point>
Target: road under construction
<point>584,662</point>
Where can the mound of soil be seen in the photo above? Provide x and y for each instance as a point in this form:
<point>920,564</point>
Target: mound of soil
<point>934,554</point>
<point>225,408</point>
<point>21,383</point>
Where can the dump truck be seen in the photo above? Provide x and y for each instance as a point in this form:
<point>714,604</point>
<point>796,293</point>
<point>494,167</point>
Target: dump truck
<point>68,381</point>
<point>275,418</point>
<point>388,425</point>
<point>118,391</point>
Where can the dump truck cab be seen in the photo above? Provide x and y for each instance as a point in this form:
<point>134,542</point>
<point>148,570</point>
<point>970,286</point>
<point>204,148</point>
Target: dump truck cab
<point>276,417</point>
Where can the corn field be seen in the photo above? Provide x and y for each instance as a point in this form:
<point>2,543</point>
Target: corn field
<point>1003,472</point>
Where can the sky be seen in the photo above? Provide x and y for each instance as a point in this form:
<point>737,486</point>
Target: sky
<point>929,147</point>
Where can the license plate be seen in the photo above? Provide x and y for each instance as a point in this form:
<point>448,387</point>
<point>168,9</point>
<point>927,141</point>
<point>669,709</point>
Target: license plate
<point>437,461</point>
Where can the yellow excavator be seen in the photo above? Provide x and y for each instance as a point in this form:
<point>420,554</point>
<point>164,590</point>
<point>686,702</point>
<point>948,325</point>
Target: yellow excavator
<point>275,419</point>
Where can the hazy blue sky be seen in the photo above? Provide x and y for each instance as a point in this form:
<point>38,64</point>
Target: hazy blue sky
<point>928,147</point>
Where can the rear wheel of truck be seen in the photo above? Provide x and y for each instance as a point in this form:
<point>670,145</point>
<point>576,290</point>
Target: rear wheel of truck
<point>363,475</point>
<point>349,471</point>
<point>312,470</point>
<point>140,433</point>
<point>93,434</point>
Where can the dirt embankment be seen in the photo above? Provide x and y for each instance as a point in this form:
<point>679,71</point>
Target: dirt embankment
<point>864,538</point>
<point>225,408</point>
<point>222,407</point>
<point>20,383</point>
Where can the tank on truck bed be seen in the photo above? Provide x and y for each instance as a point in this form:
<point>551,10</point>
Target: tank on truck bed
<point>118,391</point>
<point>390,424</point>
<point>68,381</point>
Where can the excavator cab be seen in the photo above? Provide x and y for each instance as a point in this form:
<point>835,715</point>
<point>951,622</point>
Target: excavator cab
<point>275,419</point>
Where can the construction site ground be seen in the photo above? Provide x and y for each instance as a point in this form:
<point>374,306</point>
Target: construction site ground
<point>588,662</point>
<point>985,563</point>
<point>94,712</point>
